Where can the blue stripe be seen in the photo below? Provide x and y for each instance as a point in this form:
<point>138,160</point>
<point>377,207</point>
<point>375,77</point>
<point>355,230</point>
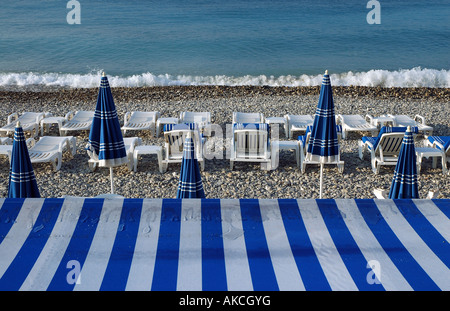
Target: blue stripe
<point>213,256</point>
<point>79,244</point>
<point>434,240</point>
<point>443,205</point>
<point>261,269</point>
<point>167,253</point>
<point>8,214</point>
<point>116,274</point>
<point>405,263</point>
<point>349,251</point>
<point>18,270</point>
<point>308,265</point>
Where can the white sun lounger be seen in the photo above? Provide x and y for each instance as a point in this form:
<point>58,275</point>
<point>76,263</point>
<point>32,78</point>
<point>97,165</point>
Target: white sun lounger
<point>418,121</point>
<point>28,120</point>
<point>77,121</point>
<point>297,123</point>
<point>140,121</point>
<point>355,123</point>
<point>50,149</point>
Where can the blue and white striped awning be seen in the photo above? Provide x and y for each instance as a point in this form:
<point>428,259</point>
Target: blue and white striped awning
<point>228,244</point>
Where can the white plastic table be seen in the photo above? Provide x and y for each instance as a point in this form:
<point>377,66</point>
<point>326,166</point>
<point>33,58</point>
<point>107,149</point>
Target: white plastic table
<point>161,121</point>
<point>434,153</point>
<point>278,145</point>
<point>52,120</point>
<point>144,149</point>
<point>277,120</point>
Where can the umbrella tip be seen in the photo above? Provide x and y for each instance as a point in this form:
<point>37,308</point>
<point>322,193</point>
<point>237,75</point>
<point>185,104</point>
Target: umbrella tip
<point>18,124</point>
<point>326,72</point>
<point>103,74</point>
<point>408,129</point>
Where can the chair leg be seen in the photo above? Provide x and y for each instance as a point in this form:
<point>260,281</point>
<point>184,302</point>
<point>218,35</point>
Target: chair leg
<point>231,165</point>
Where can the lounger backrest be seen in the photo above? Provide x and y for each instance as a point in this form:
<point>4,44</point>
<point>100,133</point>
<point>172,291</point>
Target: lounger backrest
<point>353,119</point>
<point>174,141</point>
<point>30,117</point>
<point>390,144</point>
<point>200,117</point>
<point>143,116</point>
<point>387,129</point>
<point>251,142</point>
<point>83,116</point>
<point>300,118</point>
<point>248,117</point>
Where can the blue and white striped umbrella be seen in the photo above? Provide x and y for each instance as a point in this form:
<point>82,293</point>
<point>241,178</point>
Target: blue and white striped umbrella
<point>404,184</point>
<point>105,137</point>
<point>190,185</point>
<point>22,182</point>
<point>323,144</point>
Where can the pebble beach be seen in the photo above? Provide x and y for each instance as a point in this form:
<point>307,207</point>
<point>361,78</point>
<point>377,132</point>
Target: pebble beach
<point>246,180</point>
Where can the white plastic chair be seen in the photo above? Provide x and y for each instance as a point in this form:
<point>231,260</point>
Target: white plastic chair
<point>418,121</point>
<point>50,149</point>
<point>174,144</point>
<point>355,123</point>
<point>202,119</point>
<point>140,120</point>
<point>248,117</point>
<point>28,120</point>
<point>129,142</point>
<point>297,123</point>
<point>251,144</point>
<point>77,121</point>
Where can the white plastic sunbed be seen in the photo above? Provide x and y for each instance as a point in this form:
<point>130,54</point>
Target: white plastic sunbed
<point>297,123</point>
<point>77,121</point>
<point>355,123</point>
<point>29,121</point>
<point>140,120</point>
<point>418,121</point>
<point>50,149</point>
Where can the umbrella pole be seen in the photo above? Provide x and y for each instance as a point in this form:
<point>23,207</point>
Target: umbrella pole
<point>111,173</point>
<point>321,180</point>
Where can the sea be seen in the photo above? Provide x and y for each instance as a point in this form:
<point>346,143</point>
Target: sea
<point>233,42</point>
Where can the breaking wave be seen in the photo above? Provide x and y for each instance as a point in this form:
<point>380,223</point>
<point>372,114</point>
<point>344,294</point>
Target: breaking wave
<point>415,77</point>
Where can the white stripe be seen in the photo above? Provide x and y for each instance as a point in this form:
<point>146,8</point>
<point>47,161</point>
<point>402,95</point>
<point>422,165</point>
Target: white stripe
<point>98,256</point>
<point>48,261</point>
<point>19,232</point>
<point>390,276</point>
<point>327,254</point>
<point>285,267</point>
<point>236,261</point>
<point>424,256</point>
<point>143,263</point>
<point>190,256</point>
<point>435,216</point>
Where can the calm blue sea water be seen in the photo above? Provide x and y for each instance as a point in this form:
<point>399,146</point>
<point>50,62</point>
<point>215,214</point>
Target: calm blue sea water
<point>283,42</point>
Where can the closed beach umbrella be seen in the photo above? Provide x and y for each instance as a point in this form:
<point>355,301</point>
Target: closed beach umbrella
<point>22,182</point>
<point>105,137</point>
<point>323,143</point>
<point>190,184</point>
<point>404,184</point>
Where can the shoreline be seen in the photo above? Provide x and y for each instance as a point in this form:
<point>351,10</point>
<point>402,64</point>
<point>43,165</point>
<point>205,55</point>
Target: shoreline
<point>246,180</point>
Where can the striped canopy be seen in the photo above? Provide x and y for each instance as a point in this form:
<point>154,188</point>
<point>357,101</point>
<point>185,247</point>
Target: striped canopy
<point>323,143</point>
<point>105,137</point>
<point>22,182</point>
<point>190,185</point>
<point>224,244</point>
<point>404,184</point>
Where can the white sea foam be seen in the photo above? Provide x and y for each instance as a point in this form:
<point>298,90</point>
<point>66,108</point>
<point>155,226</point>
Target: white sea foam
<point>415,77</point>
